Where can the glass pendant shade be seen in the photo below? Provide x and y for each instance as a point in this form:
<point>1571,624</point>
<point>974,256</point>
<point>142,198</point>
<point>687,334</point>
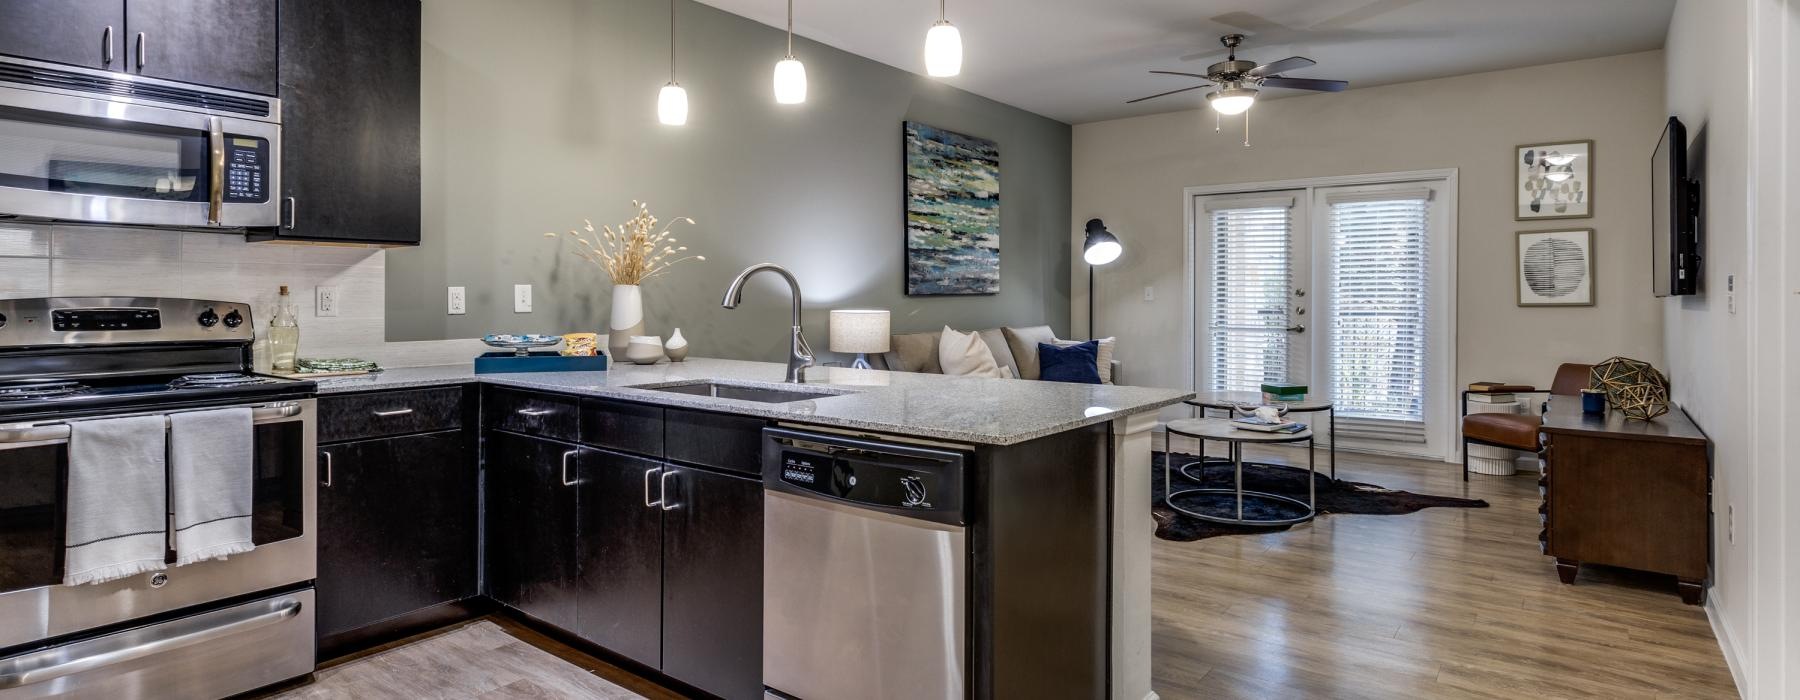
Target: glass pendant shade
<point>672,105</point>
<point>790,81</point>
<point>943,50</point>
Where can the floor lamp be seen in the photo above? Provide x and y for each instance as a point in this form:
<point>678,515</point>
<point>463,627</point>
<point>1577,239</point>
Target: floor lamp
<point>1100,248</point>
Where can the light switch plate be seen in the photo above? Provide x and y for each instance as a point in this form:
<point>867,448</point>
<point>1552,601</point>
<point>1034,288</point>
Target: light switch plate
<point>459,304</point>
<point>325,300</point>
<point>1149,294</point>
<point>521,298</point>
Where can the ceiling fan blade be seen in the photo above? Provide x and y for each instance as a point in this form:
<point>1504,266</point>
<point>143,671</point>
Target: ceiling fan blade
<point>1307,84</point>
<point>1282,66</point>
<point>1176,72</point>
<point>1165,94</point>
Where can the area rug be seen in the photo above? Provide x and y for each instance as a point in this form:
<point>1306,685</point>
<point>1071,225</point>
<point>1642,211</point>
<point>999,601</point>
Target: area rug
<point>1342,497</point>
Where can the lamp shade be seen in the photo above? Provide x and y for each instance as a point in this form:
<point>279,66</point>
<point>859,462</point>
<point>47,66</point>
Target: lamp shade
<point>859,330</point>
<point>943,50</point>
<point>790,81</point>
<point>672,105</point>
<point>1101,246</point>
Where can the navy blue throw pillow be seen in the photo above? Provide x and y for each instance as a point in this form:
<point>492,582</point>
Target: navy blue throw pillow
<point>1074,363</point>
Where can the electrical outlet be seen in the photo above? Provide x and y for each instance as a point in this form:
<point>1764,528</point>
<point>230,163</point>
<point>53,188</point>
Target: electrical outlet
<point>458,301</point>
<point>325,301</point>
<point>521,298</point>
<point>1149,294</point>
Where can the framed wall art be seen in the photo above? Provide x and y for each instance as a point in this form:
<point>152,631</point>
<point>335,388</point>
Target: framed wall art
<point>1554,181</point>
<point>1556,268</point>
<point>952,213</point>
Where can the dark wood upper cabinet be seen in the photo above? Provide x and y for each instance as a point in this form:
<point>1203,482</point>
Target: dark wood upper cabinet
<point>75,32</point>
<point>621,555</point>
<point>532,526</point>
<point>712,582</point>
<point>222,43</point>
<point>350,121</point>
<point>397,528</point>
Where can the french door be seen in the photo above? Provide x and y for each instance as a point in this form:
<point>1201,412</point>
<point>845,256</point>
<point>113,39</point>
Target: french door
<point>1345,288</point>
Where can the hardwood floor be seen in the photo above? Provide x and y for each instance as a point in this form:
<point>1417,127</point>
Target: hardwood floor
<point>1443,603</point>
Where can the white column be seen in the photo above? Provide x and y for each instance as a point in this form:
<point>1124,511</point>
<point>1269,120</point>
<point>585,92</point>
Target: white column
<point>1133,528</point>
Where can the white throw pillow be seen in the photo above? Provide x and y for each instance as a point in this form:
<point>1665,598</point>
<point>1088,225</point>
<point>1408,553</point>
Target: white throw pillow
<point>1102,357</point>
<point>965,355</point>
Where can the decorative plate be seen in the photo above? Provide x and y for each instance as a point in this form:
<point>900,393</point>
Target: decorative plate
<point>521,345</point>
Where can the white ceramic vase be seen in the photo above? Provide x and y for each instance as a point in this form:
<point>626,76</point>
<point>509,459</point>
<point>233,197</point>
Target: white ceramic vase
<point>676,347</point>
<point>644,349</point>
<point>627,317</point>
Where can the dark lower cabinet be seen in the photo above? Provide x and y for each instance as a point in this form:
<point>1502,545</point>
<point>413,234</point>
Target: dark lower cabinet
<point>532,526</point>
<point>223,43</point>
<point>712,582</point>
<point>64,31</point>
<point>397,528</point>
<point>621,543</point>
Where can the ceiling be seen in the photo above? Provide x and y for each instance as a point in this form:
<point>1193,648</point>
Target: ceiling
<point>1080,60</point>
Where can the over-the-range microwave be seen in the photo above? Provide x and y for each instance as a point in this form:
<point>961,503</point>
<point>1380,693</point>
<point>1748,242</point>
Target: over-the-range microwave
<point>101,147</point>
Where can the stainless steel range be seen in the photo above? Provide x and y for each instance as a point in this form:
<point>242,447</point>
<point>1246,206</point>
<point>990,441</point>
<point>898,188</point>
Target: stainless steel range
<point>202,630</point>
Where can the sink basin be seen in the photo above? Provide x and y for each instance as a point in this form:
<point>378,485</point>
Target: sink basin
<point>743,392</point>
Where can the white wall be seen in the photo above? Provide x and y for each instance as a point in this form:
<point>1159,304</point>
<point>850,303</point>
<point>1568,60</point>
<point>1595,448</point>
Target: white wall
<point>1705,335</point>
<point>1131,172</point>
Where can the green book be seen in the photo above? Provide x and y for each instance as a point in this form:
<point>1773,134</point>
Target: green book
<point>1284,389</point>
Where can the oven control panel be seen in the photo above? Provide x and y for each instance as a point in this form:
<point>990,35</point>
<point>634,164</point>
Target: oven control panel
<point>51,321</point>
<point>106,319</point>
<point>246,169</point>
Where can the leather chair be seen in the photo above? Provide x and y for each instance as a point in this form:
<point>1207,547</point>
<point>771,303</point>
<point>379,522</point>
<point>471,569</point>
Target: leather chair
<point>1512,431</point>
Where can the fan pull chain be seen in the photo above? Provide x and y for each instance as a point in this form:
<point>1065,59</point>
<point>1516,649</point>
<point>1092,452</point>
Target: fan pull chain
<point>1246,130</point>
<point>1218,122</point>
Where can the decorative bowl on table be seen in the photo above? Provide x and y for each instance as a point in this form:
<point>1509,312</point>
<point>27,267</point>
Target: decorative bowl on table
<point>521,345</point>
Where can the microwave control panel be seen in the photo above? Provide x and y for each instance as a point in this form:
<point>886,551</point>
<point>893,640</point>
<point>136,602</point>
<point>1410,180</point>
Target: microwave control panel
<point>246,169</point>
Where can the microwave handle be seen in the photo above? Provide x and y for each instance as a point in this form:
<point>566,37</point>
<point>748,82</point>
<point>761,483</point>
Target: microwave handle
<point>293,213</point>
<point>216,200</point>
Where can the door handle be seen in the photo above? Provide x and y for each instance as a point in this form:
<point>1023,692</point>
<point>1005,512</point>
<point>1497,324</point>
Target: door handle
<point>106,46</point>
<point>647,502</point>
<point>1297,328</point>
<point>216,190</point>
<point>662,488</point>
<point>327,482</point>
<point>140,52</point>
<point>565,467</point>
<point>535,412</point>
<point>395,412</point>
<point>293,213</point>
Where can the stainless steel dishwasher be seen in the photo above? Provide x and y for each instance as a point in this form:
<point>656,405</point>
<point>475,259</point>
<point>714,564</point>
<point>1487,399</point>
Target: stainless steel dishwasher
<point>865,567</point>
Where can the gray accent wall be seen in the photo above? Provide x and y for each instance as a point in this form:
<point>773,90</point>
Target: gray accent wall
<point>538,113</point>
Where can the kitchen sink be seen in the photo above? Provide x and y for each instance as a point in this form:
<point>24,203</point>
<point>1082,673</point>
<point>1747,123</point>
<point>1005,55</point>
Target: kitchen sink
<point>743,392</point>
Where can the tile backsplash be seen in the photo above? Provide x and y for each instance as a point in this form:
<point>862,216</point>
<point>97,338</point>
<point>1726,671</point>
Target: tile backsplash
<point>43,260</point>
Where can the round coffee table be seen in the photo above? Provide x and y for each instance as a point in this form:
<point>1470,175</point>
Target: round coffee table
<point>1229,401</point>
<point>1231,500</point>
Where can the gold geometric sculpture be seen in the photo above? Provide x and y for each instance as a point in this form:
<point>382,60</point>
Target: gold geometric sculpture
<point>1644,401</point>
<point>1613,374</point>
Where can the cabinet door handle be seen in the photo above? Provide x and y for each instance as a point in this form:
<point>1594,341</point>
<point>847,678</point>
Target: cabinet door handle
<point>565,467</point>
<point>395,412</point>
<point>662,488</point>
<point>327,482</point>
<point>647,502</point>
<point>106,46</point>
<point>293,213</point>
<point>535,412</point>
<point>140,52</point>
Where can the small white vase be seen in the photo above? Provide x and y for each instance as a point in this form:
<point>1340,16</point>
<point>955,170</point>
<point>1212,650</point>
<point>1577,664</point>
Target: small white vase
<point>676,347</point>
<point>627,317</point>
<point>644,349</point>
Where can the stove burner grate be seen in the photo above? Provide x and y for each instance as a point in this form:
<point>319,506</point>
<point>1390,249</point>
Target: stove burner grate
<point>28,390</point>
<point>217,380</point>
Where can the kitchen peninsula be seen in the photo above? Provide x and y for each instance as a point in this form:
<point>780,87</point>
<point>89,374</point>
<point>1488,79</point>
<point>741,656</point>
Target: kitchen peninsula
<point>624,510</point>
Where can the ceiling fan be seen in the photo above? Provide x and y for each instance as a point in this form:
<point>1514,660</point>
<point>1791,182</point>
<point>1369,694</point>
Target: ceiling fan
<point>1239,81</point>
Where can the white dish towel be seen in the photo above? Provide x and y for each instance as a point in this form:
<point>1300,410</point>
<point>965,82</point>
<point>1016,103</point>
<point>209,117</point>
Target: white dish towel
<point>118,499</point>
<point>211,462</point>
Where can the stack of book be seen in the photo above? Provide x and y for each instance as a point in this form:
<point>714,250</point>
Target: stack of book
<point>1277,392</point>
<point>1495,392</point>
<point>1260,425</point>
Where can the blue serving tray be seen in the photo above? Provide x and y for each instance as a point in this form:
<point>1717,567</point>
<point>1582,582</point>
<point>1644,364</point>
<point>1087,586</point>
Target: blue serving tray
<point>509,362</point>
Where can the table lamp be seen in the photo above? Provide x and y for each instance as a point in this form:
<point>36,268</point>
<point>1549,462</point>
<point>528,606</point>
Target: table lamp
<point>861,331</point>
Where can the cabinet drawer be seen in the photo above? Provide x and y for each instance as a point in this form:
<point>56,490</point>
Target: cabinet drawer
<point>385,413</point>
<point>715,440</point>
<point>626,427</point>
<point>528,413</point>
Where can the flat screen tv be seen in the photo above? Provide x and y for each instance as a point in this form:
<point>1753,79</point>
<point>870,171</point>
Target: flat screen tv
<point>1675,216</point>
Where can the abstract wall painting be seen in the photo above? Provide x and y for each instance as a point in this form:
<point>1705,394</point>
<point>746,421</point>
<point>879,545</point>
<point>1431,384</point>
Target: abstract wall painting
<point>952,213</point>
<point>1554,181</point>
<point>1556,268</point>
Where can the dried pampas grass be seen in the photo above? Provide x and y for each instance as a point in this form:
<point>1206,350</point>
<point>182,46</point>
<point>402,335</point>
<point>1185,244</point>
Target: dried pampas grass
<point>634,253</point>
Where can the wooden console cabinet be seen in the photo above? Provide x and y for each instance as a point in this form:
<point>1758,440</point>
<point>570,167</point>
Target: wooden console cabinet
<point>1627,493</point>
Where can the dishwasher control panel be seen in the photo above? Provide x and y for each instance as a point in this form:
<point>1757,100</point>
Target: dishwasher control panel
<point>894,478</point>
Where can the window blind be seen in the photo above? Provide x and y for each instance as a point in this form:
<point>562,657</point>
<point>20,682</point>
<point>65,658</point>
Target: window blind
<point>1379,302</point>
<point>1251,274</point>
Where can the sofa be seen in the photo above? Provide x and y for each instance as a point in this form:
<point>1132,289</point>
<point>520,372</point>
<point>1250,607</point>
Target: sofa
<point>1014,348</point>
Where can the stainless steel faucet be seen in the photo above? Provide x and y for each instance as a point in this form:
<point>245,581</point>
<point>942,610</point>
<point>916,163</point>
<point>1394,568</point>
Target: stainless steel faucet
<point>801,356</point>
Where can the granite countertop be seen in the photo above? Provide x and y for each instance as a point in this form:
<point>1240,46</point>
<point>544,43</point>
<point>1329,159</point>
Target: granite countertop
<point>962,409</point>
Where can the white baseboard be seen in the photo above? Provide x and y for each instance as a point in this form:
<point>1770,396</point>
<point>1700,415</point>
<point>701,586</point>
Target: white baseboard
<point>1734,656</point>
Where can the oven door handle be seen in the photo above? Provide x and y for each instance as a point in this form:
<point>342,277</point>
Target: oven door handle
<point>216,185</point>
<point>34,435</point>
<point>44,665</point>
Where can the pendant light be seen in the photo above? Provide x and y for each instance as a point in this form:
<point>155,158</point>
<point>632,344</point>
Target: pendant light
<point>672,102</point>
<point>790,74</point>
<point>943,47</point>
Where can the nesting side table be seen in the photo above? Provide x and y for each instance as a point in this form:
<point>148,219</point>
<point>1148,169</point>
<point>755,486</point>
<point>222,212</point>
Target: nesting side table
<point>1228,401</point>
<point>1227,505</point>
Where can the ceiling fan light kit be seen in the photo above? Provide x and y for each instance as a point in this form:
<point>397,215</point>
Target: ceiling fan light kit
<point>1232,101</point>
<point>943,47</point>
